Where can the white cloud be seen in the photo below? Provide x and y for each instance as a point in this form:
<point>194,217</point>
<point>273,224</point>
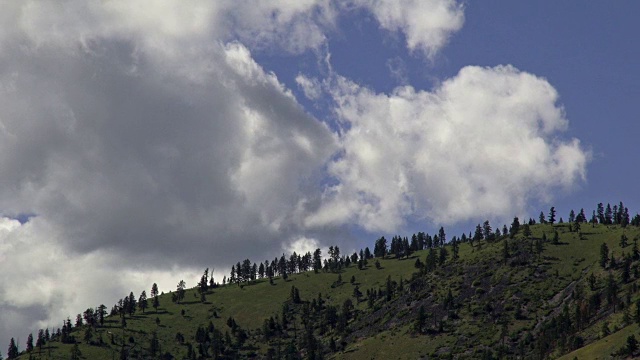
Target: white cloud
<point>480,145</point>
<point>311,87</point>
<point>43,283</point>
<point>301,245</point>
<point>426,24</point>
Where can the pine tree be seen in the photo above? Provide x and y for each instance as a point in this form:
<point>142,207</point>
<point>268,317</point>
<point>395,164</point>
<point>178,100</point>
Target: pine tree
<point>154,295</point>
<point>30,342</point>
<point>12,353</point>
<point>142,301</point>
<point>600,211</point>
<point>180,290</point>
<point>75,352</point>
<point>624,241</point>
<point>552,215</point>
<point>604,255</point>
<point>515,227</point>
<point>132,304</point>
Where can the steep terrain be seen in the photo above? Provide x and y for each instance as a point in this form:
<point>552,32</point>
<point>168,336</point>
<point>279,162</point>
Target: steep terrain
<point>529,296</point>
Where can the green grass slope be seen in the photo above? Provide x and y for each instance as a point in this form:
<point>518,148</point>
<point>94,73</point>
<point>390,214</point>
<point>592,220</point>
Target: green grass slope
<point>528,304</point>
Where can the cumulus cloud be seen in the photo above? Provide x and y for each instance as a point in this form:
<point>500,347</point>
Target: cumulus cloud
<point>426,25</point>
<point>43,283</point>
<point>482,144</point>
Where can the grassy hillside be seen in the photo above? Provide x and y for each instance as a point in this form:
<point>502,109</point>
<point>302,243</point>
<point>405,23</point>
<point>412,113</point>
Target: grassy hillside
<point>488,303</point>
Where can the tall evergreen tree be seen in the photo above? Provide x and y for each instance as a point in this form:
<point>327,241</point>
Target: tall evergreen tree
<point>442,236</point>
<point>317,260</point>
<point>604,255</point>
<point>142,301</point>
<point>601,218</point>
<point>30,342</point>
<point>12,353</point>
<point>132,304</point>
<point>608,215</point>
<point>180,290</point>
<point>552,215</point>
<point>515,227</point>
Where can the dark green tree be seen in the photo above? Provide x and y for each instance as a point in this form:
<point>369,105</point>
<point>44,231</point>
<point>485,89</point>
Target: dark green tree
<point>12,353</point>
<point>477,236</point>
<point>317,260</point>
<point>455,248</point>
<point>552,215</point>
<point>443,256</point>
<point>442,236</point>
<point>515,227</point>
<point>154,295</point>
<point>142,301</point>
<point>30,343</point>
<point>357,294</point>
<point>75,352</point>
<point>632,345</point>
<point>380,248</point>
<point>487,231</point>
<point>180,290</point>
<point>624,241</point>
<point>608,215</point>
<point>132,304</point>
<point>604,255</point>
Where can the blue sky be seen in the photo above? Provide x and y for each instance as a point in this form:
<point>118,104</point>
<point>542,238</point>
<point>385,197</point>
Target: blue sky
<point>151,142</point>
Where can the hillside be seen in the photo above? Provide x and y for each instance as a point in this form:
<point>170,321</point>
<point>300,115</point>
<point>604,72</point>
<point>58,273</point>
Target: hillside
<point>532,295</point>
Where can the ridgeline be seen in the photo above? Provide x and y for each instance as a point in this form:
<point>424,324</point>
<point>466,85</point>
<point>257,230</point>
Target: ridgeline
<point>537,290</point>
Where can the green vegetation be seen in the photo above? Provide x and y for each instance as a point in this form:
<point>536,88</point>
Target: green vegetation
<point>535,290</point>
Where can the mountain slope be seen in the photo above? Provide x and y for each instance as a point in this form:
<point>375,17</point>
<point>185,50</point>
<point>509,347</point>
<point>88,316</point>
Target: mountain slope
<point>526,297</point>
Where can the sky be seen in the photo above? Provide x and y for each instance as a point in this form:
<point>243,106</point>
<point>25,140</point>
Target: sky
<point>143,142</point>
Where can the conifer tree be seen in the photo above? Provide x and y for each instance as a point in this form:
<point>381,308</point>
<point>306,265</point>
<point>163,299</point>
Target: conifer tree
<point>154,295</point>
<point>604,255</point>
<point>142,301</point>
<point>180,290</point>
<point>30,342</point>
<point>12,353</point>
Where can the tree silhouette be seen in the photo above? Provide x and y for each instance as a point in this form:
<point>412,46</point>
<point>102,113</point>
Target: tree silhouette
<point>154,295</point>
<point>142,301</point>
<point>180,290</point>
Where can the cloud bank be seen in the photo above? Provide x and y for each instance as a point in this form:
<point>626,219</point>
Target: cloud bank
<point>480,145</point>
<point>150,144</point>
